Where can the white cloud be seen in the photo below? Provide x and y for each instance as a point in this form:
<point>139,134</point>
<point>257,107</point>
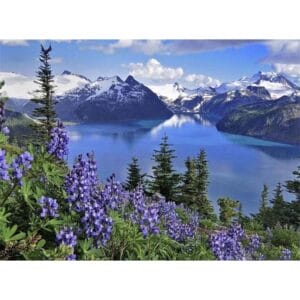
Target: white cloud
<point>14,42</point>
<point>56,60</point>
<point>197,46</point>
<point>151,47</point>
<point>148,47</point>
<point>153,70</point>
<point>283,51</point>
<point>200,80</point>
<point>292,70</point>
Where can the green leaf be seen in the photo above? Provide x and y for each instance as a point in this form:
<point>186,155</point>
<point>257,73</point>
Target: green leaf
<point>18,236</point>
<point>41,244</point>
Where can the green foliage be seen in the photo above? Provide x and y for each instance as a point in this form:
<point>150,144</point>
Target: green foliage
<point>228,210</point>
<point>20,127</point>
<point>127,243</point>
<point>285,237</point>
<point>46,177</point>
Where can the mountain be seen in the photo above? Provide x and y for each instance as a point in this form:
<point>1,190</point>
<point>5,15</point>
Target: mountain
<point>20,88</point>
<point>277,120</point>
<point>219,100</point>
<point>19,126</point>
<point>276,84</point>
<point>183,100</point>
<point>111,99</point>
<point>261,87</point>
<point>83,100</point>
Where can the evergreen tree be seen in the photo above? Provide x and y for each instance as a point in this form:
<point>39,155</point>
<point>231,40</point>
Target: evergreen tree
<point>202,202</point>
<point>134,177</point>
<point>293,186</point>
<point>189,188</point>
<point>228,210</point>
<point>44,99</point>
<point>264,203</point>
<point>265,212</point>
<point>165,179</point>
<point>279,207</point>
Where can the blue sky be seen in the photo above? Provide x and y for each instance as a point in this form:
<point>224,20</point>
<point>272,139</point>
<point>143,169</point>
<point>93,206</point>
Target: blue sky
<point>154,61</point>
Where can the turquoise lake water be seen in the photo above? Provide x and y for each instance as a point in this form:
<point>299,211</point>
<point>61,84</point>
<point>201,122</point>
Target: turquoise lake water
<point>238,165</point>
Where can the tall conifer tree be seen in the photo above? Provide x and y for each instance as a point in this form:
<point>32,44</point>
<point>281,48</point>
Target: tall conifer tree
<point>189,188</point>
<point>293,186</point>
<point>202,203</point>
<point>165,179</point>
<point>264,202</point>
<point>134,177</point>
<point>44,98</point>
<point>279,208</point>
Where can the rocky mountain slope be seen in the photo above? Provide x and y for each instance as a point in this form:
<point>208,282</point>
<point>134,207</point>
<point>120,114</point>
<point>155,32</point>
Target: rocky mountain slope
<point>277,121</point>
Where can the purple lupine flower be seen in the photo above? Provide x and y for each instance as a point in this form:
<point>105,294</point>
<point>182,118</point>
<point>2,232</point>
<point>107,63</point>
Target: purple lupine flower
<point>49,207</point>
<point>3,166</point>
<point>20,164</point>
<point>254,241</point>
<point>253,246</point>
<point>80,184</point>
<point>151,216</point>
<point>146,215</point>
<point>113,195</point>
<point>227,244</point>
<point>58,145</point>
<point>5,130</point>
<point>71,257</point>
<point>175,227</point>
<point>261,256</point>
<point>66,237</point>
<point>286,254</point>
<point>82,187</point>
<point>96,223</point>
<point>149,221</point>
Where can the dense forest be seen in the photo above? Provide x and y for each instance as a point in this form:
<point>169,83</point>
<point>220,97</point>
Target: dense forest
<point>49,211</point>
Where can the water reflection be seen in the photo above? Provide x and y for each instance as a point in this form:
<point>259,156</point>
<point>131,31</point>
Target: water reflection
<point>273,149</point>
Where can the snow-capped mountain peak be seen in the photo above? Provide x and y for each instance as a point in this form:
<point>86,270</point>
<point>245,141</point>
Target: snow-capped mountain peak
<point>178,87</point>
<point>66,72</point>
<point>22,87</point>
<point>276,84</point>
<point>131,80</point>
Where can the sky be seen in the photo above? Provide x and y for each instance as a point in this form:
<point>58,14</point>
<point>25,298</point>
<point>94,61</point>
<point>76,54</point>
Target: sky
<point>190,62</point>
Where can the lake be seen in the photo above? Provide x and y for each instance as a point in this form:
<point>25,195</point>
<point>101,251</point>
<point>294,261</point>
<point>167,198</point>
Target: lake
<point>238,165</point>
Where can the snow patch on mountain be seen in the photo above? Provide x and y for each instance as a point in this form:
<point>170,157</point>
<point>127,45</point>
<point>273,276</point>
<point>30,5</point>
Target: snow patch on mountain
<point>22,87</point>
<point>276,84</point>
<point>17,85</point>
<point>173,92</point>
